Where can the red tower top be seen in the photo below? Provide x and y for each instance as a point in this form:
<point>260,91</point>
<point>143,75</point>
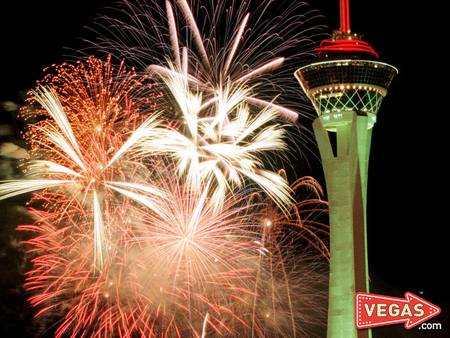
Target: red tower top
<point>343,41</point>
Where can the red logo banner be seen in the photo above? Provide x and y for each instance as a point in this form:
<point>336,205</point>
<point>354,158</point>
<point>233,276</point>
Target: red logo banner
<point>376,310</point>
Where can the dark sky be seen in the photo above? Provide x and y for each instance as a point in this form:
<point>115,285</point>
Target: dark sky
<point>407,215</point>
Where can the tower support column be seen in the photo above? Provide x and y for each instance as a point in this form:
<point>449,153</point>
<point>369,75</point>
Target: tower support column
<point>345,168</point>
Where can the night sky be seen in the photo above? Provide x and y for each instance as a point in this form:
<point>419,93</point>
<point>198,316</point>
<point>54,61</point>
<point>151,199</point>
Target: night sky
<point>407,216</point>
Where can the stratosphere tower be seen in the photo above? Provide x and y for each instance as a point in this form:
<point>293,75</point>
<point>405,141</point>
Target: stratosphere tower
<point>346,85</point>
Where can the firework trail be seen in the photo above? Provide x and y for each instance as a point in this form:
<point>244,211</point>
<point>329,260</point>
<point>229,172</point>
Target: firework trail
<point>215,44</point>
<point>156,211</point>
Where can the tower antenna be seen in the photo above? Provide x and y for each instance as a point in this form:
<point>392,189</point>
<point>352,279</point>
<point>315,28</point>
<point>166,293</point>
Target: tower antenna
<point>345,16</point>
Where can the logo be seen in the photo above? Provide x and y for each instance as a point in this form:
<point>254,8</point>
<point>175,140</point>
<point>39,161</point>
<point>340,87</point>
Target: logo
<point>375,310</point>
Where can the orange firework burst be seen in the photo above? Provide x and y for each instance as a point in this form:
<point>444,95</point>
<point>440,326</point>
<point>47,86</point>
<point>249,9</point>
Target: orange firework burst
<point>187,271</point>
<point>89,117</point>
<point>304,221</point>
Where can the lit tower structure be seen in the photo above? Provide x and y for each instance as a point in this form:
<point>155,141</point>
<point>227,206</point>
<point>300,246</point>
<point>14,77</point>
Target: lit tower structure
<point>346,86</point>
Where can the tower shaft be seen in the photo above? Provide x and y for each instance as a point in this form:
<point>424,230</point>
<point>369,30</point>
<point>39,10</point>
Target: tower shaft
<point>345,167</point>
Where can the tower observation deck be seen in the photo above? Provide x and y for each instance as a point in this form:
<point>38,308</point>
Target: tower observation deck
<point>346,85</point>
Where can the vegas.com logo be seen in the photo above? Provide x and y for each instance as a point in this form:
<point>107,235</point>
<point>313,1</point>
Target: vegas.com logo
<point>373,310</point>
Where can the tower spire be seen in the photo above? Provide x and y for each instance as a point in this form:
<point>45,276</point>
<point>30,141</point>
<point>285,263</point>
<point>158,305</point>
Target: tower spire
<point>345,16</point>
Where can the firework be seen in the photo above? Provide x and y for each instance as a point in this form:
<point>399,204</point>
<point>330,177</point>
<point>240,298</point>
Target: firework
<point>223,150</point>
<point>82,135</point>
<point>225,86</point>
<point>304,221</point>
<point>186,271</point>
<point>215,44</point>
<point>156,211</point>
